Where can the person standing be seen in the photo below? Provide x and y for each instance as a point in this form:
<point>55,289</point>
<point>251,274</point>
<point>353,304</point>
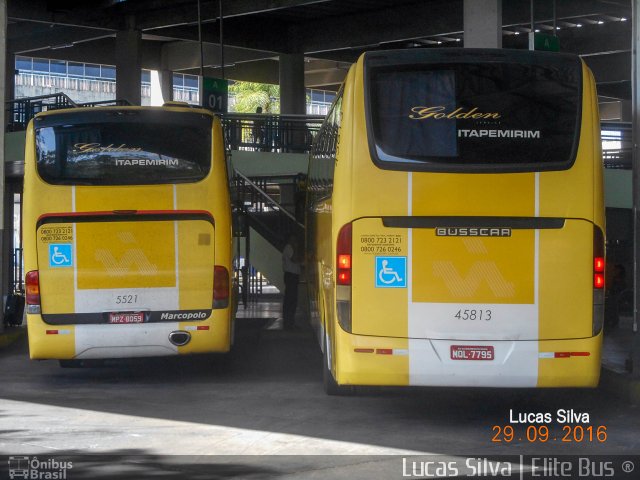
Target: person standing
<point>291,269</point>
<point>259,132</point>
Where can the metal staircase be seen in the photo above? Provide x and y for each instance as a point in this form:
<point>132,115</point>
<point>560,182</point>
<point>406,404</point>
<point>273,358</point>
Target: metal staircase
<point>266,206</point>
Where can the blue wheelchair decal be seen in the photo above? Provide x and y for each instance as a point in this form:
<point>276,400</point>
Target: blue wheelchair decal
<point>60,255</point>
<point>391,272</point>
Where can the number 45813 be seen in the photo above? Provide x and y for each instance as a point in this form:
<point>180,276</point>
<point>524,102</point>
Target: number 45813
<point>473,315</point>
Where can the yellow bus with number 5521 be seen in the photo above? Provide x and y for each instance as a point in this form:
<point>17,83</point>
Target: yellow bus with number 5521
<point>455,222</point>
<point>127,234</point>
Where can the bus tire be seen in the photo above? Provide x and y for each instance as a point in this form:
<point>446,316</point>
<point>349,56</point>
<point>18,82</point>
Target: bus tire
<point>70,363</point>
<point>329,383</point>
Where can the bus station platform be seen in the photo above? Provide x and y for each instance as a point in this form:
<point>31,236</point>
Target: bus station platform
<point>264,317</point>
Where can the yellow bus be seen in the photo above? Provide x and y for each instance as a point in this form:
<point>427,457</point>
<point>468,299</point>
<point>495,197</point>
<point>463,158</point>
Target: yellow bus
<point>455,222</point>
<point>127,234</point>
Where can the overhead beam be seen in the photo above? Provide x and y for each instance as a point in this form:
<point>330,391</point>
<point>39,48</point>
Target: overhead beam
<point>38,11</point>
<point>150,14</point>
<point>186,55</point>
<point>102,51</point>
<point>56,36</point>
<point>248,33</point>
<point>320,79</point>
<point>186,15</point>
<point>402,22</point>
<point>611,68</point>
<point>519,11</point>
<point>263,71</point>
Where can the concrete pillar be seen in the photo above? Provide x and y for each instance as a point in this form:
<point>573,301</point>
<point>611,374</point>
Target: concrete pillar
<point>7,239</point>
<point>128,65</point>
<point>3,77</point>
<point>166,84</point>
<point>635,111</point>
<point>10,77</point>
<point>626,111</point>
<point>293,99</point>
<point>483,23</point>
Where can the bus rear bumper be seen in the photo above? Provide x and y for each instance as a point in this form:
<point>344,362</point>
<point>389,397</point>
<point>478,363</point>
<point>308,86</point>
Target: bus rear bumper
<point>102,341</point>
<point>363,360</point>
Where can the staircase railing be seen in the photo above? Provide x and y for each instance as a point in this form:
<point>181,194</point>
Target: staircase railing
<point>270,133</point>
<point>255,207</point>
<point>269,217</point>
<point>20,111</point>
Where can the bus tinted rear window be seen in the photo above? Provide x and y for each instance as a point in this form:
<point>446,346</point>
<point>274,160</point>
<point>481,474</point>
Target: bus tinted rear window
<point>474,115</point>
<point>126,147</point>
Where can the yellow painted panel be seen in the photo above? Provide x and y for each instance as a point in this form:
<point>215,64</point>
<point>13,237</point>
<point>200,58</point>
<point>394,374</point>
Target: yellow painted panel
<point>573,371</point>
<point>473,269</point>
<point>217,339</point>
<point>371,368</point>
<point>125,255</point>
<point>43,346</point>
<point>377,311</point>
<point>566,276</point>
<point>56,283</point>
<point>474,195</point>
<point>195,264</point>
<point>145,197</point>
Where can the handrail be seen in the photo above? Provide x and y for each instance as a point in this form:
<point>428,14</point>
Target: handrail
<point>21,110</point>
<point>44,97</point>
<point>268,198</point>
<point>281,133</point>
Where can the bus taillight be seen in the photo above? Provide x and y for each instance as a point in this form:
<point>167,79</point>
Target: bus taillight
<point>343,277</point>
<point>32,281</point>
<point>220,287</point>
<point>343,260</point>
<point>598,280</point>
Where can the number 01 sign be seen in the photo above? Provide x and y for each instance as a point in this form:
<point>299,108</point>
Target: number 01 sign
<point>215,92</point>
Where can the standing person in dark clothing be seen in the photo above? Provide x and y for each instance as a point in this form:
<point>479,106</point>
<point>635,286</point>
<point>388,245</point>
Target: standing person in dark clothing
<point>291,269</point>
<point>259,132</point>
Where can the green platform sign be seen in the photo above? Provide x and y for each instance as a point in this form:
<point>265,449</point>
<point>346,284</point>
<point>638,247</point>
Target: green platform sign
<point>544,42</point>
<point>215,94</point>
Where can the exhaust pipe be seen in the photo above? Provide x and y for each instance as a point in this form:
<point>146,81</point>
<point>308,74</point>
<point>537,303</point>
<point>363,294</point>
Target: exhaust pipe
<point>179,338</point>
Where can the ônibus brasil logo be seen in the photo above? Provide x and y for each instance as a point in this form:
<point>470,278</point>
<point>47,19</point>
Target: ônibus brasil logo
<point>35,469</point>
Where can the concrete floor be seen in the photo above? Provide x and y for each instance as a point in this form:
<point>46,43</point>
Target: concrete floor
<point>260,412</point>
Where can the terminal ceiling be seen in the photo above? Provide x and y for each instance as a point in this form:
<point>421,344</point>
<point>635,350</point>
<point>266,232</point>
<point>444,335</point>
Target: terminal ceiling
<point>330,33</point>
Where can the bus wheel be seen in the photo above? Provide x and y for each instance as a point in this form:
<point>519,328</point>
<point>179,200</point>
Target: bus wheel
<point>329,383</point>
<point>70,363</point>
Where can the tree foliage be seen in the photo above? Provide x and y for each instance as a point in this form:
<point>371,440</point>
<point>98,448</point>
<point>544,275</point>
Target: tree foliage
<point>251,95</point>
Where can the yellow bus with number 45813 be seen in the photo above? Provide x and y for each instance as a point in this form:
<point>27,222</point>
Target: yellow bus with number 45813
<point>455,222</point>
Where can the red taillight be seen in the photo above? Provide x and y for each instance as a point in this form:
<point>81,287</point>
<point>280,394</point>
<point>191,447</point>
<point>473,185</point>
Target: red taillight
<point>344,277</point>
<point>344,256</point>
<point>598,265</point>
<point>598,280</point>
<point>220,287</point>
<point>32,281</point>
<point>344,261</point>
<point>598,258</point>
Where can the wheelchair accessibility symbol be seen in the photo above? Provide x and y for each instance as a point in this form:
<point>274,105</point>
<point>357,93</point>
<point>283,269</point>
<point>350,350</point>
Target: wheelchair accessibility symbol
<point>391,272</point>
<point>60,255</point>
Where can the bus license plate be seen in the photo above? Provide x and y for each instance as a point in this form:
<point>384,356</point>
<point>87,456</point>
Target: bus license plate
<point>471,352</point>
<point>135,317</point>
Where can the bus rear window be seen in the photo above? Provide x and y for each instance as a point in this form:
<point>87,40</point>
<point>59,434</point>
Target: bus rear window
<point>125,147</point>
<point>473,115</point>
